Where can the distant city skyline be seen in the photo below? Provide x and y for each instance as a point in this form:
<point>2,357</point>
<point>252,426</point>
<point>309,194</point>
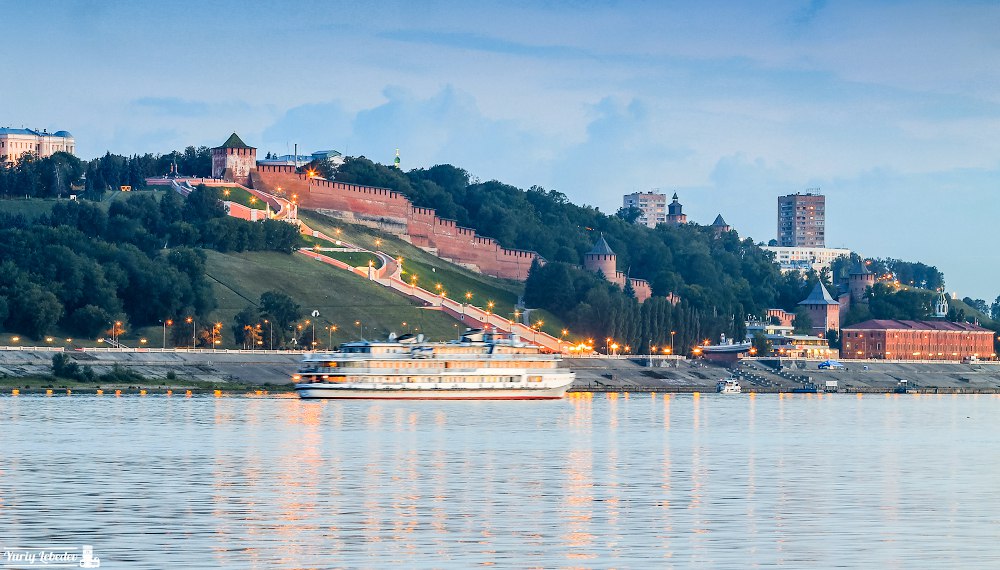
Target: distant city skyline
<point>891,109</point>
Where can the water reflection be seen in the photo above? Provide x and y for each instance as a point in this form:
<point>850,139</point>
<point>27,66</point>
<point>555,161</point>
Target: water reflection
<point>641,481</point>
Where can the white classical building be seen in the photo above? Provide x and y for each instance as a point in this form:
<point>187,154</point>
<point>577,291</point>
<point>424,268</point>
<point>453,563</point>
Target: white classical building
<point>15,143</point>
<point>805,258</point>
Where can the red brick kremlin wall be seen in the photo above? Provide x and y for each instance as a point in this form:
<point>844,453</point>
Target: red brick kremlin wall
<point>423,226</point>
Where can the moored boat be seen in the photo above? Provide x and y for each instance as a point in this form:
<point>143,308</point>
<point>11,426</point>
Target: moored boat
<point>481,366</point>
<point>729,386</point>
<point>806,388</point>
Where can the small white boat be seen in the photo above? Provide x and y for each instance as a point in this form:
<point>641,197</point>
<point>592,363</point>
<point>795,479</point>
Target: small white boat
<point>729,386</point>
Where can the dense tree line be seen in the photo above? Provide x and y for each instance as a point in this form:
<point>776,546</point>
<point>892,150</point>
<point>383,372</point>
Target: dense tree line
<point>719,279</point>
<point>909,273</point>
<point>63,174</point>
<point>81,267</point>
<point>49,177</point>
<point>591,305</point>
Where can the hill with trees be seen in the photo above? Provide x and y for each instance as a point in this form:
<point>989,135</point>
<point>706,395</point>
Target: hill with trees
<point>160,244</point>
<point>720,279</point>
<point>80,268</point>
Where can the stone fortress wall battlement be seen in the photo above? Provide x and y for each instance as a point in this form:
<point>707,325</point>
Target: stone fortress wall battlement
<point>393,212</point>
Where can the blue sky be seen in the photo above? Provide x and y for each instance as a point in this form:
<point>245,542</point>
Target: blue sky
<point>891,108</point>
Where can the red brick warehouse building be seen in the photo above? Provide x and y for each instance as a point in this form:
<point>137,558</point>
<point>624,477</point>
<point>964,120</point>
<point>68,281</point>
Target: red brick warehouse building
<point>916,340</point>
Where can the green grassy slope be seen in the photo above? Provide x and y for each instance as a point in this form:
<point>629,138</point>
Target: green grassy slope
<point>341,298</point>
<point>34,207</point>
<point>455,281</point>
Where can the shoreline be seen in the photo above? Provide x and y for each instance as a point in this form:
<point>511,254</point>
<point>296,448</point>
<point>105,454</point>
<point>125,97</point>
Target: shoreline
<point>231,372</point>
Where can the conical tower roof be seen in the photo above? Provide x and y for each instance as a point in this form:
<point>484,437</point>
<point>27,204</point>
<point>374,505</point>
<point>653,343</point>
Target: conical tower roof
<point>719,221</point>
<point>819,296</point>
<point>601,247</point>
<point>234,141</point>
<point>860,268</point>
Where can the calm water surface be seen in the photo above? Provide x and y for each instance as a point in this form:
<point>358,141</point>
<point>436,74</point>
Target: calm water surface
<point>638,482</point>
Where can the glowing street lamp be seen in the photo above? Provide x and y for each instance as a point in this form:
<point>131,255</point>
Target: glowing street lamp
<point>468,297</point>
<point>166,323</point>
<point>191,320</point>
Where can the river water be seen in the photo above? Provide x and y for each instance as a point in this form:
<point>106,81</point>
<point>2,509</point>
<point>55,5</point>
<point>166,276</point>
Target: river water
<point>588,482</point>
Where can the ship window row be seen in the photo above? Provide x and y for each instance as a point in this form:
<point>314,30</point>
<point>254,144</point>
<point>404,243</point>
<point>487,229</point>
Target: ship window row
<point>428,379</point>
<point>428,364</point>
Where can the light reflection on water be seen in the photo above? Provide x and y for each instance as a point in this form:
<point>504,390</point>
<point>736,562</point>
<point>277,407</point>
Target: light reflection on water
<point>637,481</point>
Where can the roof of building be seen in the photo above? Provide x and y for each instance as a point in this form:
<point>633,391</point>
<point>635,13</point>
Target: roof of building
<point>30,132</point>
<point>675,197</point>
<point>860,268</point>
<point>889,324</point>
<point>601,247</point>
<point>819,296</point>
<point>719,221</point>
<point>326,153</point>
<point>10,131</point>
<point>234,141</point>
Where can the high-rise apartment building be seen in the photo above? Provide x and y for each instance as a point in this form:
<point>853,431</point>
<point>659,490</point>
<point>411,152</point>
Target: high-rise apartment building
<point>802,220</point>
<point>652,205</point>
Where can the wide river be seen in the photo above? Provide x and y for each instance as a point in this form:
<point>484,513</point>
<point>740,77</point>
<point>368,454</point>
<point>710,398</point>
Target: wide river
<point>626,482</point>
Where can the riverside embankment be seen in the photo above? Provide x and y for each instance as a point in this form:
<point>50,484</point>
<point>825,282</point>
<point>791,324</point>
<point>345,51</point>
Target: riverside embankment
<point>636,374</point>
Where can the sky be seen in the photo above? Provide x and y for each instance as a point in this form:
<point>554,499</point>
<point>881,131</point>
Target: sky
<point>890,108</point>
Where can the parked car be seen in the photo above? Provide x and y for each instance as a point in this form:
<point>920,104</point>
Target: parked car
<point>831,365</point>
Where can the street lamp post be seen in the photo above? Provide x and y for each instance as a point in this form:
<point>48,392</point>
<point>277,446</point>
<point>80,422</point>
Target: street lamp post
<point>165,322</point>
<point>534,331</point>
<point>270,334</point>
<point>361,329</point>
<point>192,321</point>
<point>672,333</point>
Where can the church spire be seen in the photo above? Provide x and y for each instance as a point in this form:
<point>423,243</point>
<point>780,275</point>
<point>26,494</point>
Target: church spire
<point>395,163</point>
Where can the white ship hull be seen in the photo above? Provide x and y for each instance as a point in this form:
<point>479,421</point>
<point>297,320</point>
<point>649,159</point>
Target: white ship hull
<point>373,392</point>
<point>481,366</point>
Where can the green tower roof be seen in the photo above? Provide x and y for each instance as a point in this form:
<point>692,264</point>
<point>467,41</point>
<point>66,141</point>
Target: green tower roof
<point>234,141</point>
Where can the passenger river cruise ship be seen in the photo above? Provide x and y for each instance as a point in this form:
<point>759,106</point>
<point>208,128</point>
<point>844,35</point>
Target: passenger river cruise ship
<point>483,366</point>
